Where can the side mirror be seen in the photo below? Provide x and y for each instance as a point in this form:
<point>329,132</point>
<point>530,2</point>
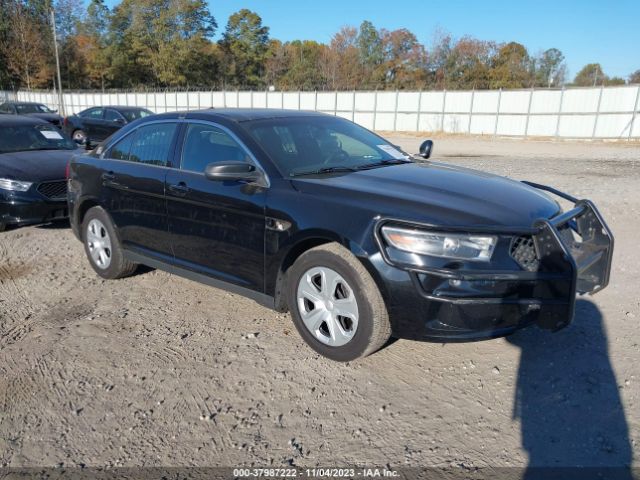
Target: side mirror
<point>53,110</point>
<point>425,149</point>
<point>231,170</point>
<point>119,121</point>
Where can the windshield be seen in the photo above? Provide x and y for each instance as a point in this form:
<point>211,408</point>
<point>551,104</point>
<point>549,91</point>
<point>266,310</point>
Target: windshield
<point>299,145</point>
<point>24,138</point>
<point>32,108</point>
<point>135,114</point>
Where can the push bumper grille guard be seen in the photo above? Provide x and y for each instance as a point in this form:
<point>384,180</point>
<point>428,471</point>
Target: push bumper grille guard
<point>582,258</point>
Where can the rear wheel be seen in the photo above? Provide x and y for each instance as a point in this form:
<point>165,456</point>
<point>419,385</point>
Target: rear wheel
<point>336,305</point>
<point>102,246</point>
<point>79,136</point>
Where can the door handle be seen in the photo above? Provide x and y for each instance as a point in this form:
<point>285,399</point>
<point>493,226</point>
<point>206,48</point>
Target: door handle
<point>179,189</point>
<point>108,177</point>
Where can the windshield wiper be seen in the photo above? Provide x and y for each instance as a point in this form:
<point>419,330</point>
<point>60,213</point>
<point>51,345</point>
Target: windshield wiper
<point>323,170</point>
<point>382,163</point>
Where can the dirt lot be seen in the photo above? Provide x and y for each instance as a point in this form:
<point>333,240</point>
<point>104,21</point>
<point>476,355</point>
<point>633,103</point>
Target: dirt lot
<point>157,370</point>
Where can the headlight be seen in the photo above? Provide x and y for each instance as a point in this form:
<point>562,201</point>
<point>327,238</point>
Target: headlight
<point>440,244</point>
<point>14,185</point>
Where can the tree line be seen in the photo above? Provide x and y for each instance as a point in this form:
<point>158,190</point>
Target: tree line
<point>170,43</point>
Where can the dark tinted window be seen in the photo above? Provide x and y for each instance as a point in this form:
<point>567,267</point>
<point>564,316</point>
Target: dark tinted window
<point>26,108</point>
<point>111,115</point>
<point>95,113</point>
<point>152,143</point>
<point>132,114</point>
<point>120,151</point>
<point>6,108</point>
<point>206,144</point>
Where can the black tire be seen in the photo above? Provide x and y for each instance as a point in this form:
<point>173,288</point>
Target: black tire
<point>3,227</point>
<point>118,266</point>
<point>373,327</point>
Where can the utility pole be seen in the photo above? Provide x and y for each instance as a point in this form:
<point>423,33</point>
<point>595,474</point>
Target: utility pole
<point>55,46</point>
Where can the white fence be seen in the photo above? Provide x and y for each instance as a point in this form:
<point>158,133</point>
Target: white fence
<point>599,113</point>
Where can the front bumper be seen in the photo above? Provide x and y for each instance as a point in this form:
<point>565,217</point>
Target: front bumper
<point>29,209</point>
<point>458,301</point>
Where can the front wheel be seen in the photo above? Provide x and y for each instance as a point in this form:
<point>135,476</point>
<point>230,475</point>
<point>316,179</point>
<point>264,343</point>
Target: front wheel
<point>102,246</point>
<point>336,305</point>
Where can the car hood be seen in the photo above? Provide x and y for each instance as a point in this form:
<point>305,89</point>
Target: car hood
<point>49,117</point>
<point>35,166</point>
<point>435,193</point>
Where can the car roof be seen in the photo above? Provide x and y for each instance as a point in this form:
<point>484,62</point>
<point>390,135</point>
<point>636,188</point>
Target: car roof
<point>13,102</point>
<point>117,107</point>
<point>249,114</point>
<point>20,120</point>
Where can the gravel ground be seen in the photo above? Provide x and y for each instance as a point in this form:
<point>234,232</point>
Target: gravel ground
<point>157,370</point>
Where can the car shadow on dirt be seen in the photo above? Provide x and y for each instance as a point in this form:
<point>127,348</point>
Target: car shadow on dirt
<point>568,401</point>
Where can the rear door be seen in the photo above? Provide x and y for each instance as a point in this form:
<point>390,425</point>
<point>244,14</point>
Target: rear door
<point>134,174</point>
<point>113,121</point>
<point>217,228</point>
<point>93,124</point>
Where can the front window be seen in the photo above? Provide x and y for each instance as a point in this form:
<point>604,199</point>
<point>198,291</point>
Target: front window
<point>23,138</point>
<point>205,144</point>
<point>299,145</point>
<point>32,108</point>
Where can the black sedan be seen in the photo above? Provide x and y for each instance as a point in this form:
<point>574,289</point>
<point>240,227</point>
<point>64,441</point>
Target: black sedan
<point>98,123</point>
<point>33,158</point>
<point>32,109</point>
<point>314,214</point>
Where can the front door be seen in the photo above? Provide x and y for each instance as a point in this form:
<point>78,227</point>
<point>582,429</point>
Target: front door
<point>134,174</point>
<point>217,228</point>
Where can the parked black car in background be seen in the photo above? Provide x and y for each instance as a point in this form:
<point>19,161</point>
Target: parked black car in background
<point>31,109</point>
<point>98,123</point>
<point>315,214</point>
<point>33,159</point>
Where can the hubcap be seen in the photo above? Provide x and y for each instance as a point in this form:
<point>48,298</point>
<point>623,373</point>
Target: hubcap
<point>78,135</point>
<point>99,244</point>
<point>328,306</point>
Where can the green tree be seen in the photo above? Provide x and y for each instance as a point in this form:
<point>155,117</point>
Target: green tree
<point>550,68</point>
<point>635,77</point>
<point>244,45</point>
<point>371,54</point>
<point>590,75</point>
<point>161,42</point>
<point>468,64</point>
<point>512,67</point>
<point>25,45</point>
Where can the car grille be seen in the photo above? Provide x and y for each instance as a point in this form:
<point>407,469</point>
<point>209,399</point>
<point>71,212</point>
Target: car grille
<point>523,251</point>
<point>54,190</point>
